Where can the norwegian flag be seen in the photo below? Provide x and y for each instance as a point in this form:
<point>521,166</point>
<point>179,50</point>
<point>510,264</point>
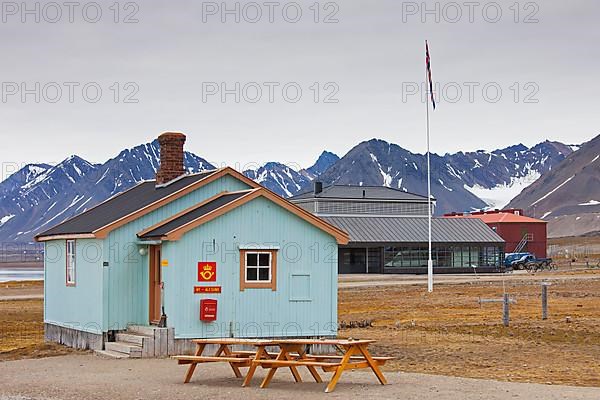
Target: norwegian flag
<point>428,62</point>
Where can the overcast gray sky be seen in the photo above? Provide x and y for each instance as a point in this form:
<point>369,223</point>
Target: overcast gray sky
<point>357,64</point>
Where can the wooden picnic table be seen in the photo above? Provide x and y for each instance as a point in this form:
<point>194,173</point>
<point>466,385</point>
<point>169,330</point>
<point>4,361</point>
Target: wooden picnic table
<point>292,355</point>
<point>355,356</point>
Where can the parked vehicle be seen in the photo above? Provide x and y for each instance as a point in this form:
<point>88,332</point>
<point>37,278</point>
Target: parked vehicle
<point>527,261</point>
<point>515,260</point>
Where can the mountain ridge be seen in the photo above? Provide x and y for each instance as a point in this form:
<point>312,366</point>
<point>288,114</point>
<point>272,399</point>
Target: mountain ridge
<point>568,197</point>
<point>41,195</point>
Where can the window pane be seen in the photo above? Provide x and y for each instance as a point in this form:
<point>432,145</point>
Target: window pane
<point>263,274</point>
<point>251,274</point>
<point>70,261</point>
<point>251,259</point>
<point>263,260</point>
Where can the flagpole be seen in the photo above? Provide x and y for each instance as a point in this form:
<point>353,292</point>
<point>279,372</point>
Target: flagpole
<point>429,260</point>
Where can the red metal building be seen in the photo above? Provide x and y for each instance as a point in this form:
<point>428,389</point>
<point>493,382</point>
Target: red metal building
<point>521,233</point>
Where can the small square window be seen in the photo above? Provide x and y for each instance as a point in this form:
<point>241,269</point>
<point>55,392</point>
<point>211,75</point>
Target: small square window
<point>258,269</point>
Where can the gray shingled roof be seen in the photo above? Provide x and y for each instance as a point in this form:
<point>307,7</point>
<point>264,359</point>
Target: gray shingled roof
<point>356,192</point>
<point>414,230</point>
<point>204,209</point>
<point>121,205</point>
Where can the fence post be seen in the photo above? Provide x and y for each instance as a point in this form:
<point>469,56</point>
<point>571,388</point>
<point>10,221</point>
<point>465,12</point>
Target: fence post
<point>506,309</point>
<point>545,300</point>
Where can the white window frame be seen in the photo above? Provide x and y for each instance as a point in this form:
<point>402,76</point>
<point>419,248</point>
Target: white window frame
<point>258,266</point>
<point>70,262</point>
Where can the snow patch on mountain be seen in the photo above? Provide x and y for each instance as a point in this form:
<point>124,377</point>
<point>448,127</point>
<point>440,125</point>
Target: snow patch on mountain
<point>590,203</point>
<point>6,218</point>
<point>500,195</point>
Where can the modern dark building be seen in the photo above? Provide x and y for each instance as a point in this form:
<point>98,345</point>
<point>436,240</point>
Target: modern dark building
<point>388,232</point>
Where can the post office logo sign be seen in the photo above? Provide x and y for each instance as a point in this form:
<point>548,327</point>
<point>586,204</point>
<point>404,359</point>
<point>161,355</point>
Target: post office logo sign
<point>207,271</point>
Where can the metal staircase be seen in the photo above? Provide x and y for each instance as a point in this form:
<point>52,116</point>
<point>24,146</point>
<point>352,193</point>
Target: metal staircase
<point>528,237</point>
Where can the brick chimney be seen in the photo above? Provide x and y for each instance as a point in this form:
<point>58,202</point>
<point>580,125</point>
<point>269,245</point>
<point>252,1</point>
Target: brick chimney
<point>171,157</point>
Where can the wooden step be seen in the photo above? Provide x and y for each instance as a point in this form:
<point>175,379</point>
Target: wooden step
<point>133,338</point>
<point>147,330</point>
<point>126,348</point>
<point>110,354</point>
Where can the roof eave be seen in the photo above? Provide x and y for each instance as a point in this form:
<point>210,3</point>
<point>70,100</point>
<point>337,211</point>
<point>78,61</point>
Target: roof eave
<point>66,236</point>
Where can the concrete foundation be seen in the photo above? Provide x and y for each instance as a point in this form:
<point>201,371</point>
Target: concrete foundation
<point>73,337</point>
<point>153,342</point>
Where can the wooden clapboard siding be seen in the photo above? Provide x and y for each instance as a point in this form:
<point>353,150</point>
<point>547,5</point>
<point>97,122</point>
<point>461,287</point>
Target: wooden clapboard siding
<point>254,312</point>
<point>79,306</point>
<point>126,301</point>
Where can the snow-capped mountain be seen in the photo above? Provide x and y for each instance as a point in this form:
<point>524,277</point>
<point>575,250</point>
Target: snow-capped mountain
<point>568,196</point>
<point>40,196</point>
<point>23,176</point>
<point>460,182</point>
<point>285,180</point>
<point>278,178</point>
<point>497,177</point>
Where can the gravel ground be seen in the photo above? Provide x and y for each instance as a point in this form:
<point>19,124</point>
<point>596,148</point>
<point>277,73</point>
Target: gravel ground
<point>91,377</point>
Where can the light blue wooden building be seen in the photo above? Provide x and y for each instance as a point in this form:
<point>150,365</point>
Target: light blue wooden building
<point>130,275</point>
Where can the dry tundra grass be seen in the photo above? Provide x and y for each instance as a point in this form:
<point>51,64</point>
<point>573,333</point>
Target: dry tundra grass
<point>445,333</point>
<point>449,333</point>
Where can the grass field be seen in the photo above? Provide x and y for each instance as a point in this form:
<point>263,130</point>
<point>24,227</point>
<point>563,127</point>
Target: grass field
<point>21,324</point>
<point>445,333</point>
<point>449,333</point>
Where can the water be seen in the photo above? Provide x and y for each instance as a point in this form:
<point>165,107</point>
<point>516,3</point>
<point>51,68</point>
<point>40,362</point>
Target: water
<point>21,274</point>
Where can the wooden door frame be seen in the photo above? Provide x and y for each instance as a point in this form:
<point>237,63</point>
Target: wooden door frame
<point>154,267</point>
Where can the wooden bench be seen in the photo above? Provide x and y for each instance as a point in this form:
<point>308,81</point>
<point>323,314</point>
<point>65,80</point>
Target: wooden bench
<point>239,361</point>
<point>224,353</point>
<point>336,357</point>
<point>250,353</point>
<point>356,362</point>
<point>294,363</point>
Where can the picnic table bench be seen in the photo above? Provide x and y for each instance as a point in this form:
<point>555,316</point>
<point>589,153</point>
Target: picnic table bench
<point>293,355</point>
<point>224,353</point>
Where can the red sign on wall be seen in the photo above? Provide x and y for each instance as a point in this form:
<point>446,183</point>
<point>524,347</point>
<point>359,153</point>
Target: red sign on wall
<point>208,310</point>
<point>207,289</point>
<point>207,271</point>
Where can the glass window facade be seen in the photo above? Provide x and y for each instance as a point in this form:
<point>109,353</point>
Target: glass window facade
<point>464,256</point>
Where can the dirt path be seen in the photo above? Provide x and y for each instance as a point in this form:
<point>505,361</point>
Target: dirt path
<point>91,377</point>
<point>22,297</point>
